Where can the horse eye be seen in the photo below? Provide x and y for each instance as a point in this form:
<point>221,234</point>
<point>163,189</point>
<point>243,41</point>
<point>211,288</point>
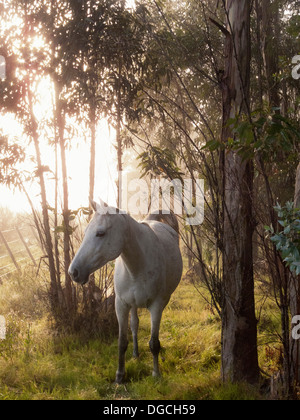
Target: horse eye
<point>100,234</point>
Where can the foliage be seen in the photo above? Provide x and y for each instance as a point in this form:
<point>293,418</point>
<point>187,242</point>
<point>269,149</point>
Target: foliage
<point>90,55</point>
<point>287,241</point>
<point>73,215</point>
<point>159,162</point>
<point>157,70</point>
<point>268,135</point>
<point>11,155</point>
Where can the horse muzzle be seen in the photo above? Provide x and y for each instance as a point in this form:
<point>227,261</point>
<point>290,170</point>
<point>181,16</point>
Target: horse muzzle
<point>77,276</point>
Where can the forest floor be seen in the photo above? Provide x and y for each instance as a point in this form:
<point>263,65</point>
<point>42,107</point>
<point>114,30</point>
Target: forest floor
<point>36,364</point>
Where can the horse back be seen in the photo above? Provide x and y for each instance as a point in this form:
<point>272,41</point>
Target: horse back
<point>168,238</point>
<point>168,219</point>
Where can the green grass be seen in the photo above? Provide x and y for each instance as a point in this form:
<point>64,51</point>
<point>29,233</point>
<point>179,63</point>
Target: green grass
<point>35,364</point>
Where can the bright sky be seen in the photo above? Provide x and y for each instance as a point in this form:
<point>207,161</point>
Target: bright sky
<point>78,160</point>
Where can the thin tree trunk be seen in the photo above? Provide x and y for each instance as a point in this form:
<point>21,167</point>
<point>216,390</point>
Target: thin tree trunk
<point>295,302</point>
<point>90,302</point>
<point>60,120</point>
<point>118,136</point>
<point>239,329</point>
<point>270,23</point>
<point>56,250</point>
<point>93,153</point>
<point>46,221</point>
<point>40,174</point>
<point>258,9</point>
<point>56,140</point>
<point>270,37</point>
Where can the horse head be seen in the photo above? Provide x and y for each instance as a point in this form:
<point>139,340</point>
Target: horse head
<point>103,242</point>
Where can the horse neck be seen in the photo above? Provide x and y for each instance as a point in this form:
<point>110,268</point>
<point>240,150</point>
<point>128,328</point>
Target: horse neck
<point>133,253</point>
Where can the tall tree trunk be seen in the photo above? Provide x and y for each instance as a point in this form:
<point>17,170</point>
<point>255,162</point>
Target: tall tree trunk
<point>270,41</point>
<point>118,136</point>
<point>60,120</point>
<point>46,221</point>
<point>239,329</point>
<point>56,248</point>
<point>40,174</point>
<point>258,10</point>
<point>90,302</point>
<point>295,302</point>
<point>56,139</point>
<point>270,44</point>
<point>93,153</point>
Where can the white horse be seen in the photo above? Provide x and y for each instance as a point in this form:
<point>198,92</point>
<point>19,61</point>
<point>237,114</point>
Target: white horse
<point>147,272</point>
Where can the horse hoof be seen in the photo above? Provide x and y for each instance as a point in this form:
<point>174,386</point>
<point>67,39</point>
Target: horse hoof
<point>119,378</point>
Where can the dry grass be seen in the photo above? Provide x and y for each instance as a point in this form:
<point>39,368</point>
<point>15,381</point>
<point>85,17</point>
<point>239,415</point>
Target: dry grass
<point>36,363</point>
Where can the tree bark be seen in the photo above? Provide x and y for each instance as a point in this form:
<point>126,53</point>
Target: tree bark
<point>40,174</point>
<point>46,221</point>
<point>60,120</point>
<point>93,153</point>
<point>295,302</point>
<point>118,135</point>
<point>90,303</point>
<point>239,324</point>
<point>270,26</point>
<point>297,189</point>
<point>258,10</point>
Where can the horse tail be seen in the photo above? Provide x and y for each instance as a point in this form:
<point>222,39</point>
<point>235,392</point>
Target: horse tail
<point>168,219</point>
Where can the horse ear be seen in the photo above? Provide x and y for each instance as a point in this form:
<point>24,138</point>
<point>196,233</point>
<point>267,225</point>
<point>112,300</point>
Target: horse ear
<point>101,208</point>
<point>102,203</point>
<point>98,207</point>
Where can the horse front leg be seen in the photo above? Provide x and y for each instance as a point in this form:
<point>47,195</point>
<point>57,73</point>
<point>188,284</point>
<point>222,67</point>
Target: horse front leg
<point>122,312</point>
<point>154,344</point>
<point>134,323</point>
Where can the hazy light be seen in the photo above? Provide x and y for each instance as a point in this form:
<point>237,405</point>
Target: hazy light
<point>78,159</point>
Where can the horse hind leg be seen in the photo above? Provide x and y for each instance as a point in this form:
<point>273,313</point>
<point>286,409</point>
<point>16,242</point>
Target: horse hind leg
<point>134,323</point>
<point>154,343</point>
<point>122,315</point>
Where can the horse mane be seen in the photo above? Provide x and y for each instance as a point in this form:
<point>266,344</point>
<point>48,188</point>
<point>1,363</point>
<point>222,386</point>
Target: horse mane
<point>168,219</point>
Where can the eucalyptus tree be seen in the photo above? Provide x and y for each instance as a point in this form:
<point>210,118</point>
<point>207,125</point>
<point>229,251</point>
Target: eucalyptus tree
<point>102,49</point>
<point>121,46</point>
<point>239,332</point>
<point>95,51</point>
<point>195,66</point>
<point>199,99</point>
<point>180,111</point>
<point>25,68</point>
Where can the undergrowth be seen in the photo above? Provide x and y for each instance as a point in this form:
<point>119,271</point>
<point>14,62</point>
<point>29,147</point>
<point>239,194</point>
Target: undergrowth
<point>36,363</point>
